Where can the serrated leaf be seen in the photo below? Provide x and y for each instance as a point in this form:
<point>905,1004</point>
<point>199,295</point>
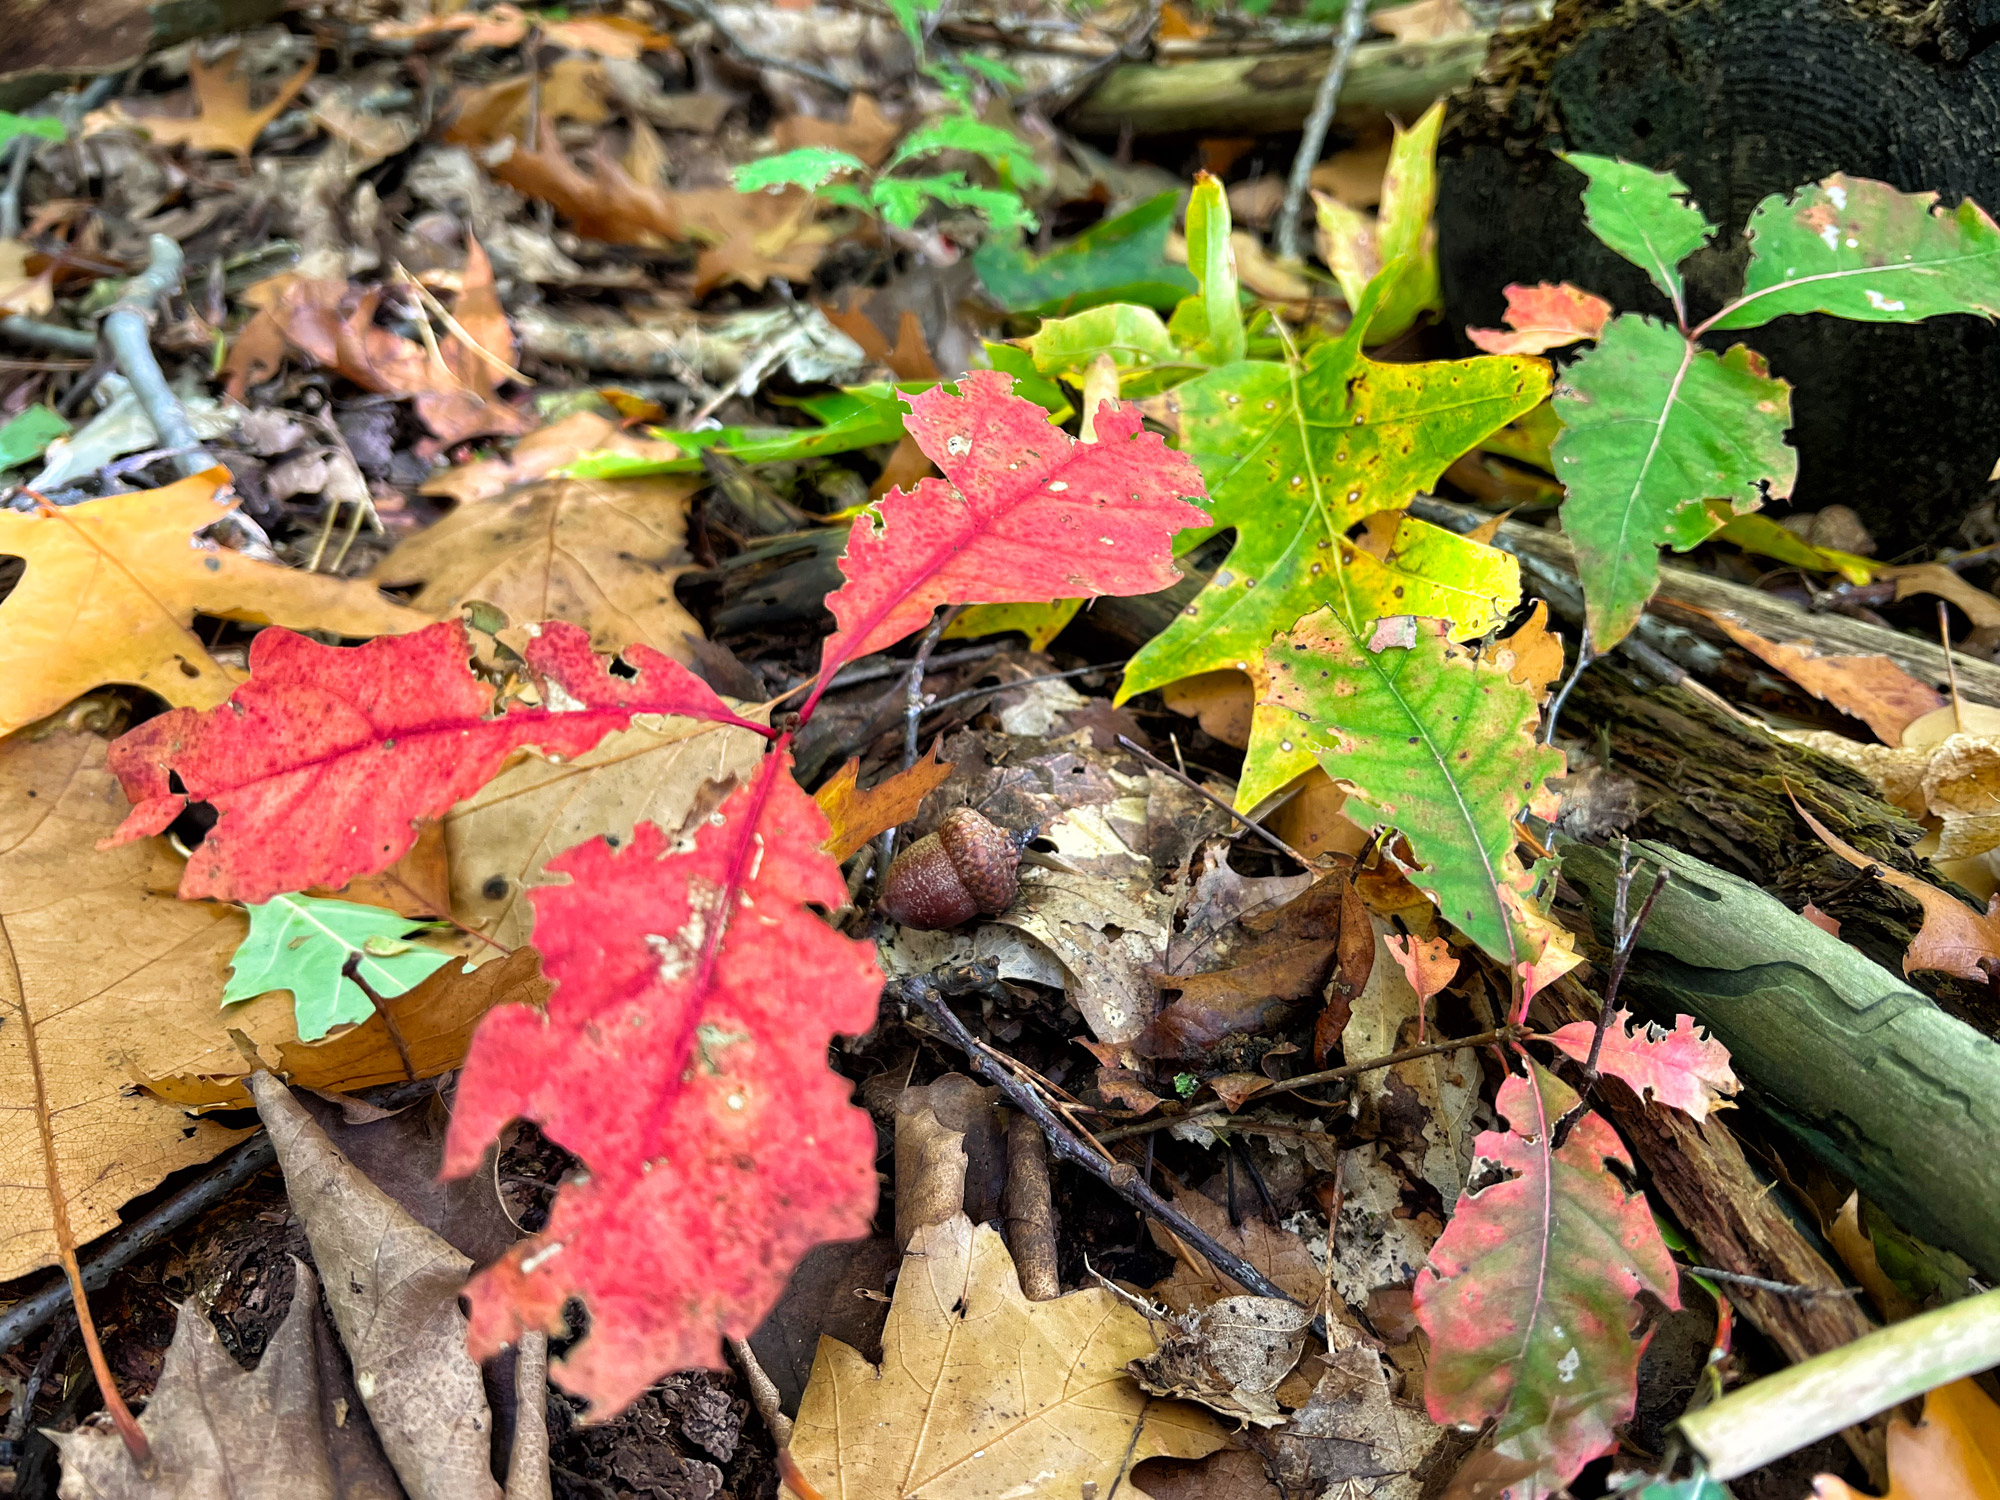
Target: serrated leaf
<point>856,816</point>
<point>809,167</point>
<point>1648,217</point>
<point>320,766</point>
<point>1024,513</point>
<point>870,415</point>
<point>1652,427</point>
<point>1005,151</point>
<point>1209,325</point>
<point>1120,260</point>
<point>1859,249</point>
<point>1685,1068</point>
<point>1403,227</point>
<point>703,984</point>
<point>1296,454</point>
<point>1529,1297</point>
<point>1543,317</point>
<point>1435,742</point>
<point>302,944</point>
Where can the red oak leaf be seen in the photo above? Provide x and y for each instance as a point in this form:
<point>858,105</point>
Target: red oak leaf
<point>1684,1067</point>
<point>683,1057</point>
<point>321,766</point>
<point>1024,514</point>
<point>1544,317</point>
<point>1529,1295</point>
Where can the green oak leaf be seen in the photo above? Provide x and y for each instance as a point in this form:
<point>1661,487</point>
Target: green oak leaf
<point>1645,216</point>
<point>1209,325</point>
<point>1435,742</point>
<point>1297,452</point>
<point>1652,427</point>
<point>1120,260</point>
<point>1862,250</point>
<point>303,943</point>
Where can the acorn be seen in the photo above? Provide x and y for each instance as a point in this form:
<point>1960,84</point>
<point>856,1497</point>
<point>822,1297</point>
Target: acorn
<point>968,868</point>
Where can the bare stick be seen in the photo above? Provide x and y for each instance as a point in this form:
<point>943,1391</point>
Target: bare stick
<point>1765,1284</point>
<point>1121,1178</point>
<point>913,685</point>
<point>1626,937</point>
<point>1353,21</point>
<point>352,970</point>
<point>528,1463</point>
<point>1583,661</point>
<point>763,1393</point>
<point>128,332</point>
<point>1192,785</point>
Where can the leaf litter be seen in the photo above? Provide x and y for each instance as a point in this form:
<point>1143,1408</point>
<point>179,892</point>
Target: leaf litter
<point>533,575</point>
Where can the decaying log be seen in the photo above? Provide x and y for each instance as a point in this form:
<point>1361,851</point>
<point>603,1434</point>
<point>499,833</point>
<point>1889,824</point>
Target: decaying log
<point>1870,1076</point>
<point>52,46</point>
<point>1273,92</point>
<point>1700,1172</point>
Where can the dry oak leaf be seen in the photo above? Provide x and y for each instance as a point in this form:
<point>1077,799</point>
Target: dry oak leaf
<point>226,121</point>
<point>1024,514</point>
<point>1542,317</point>
<point>1872,689</point>
<point>1935,578</point>
<point>112,587</point>
<point>857,816</point>
<point>1429,965</point>
<point>699,979</point>
<point>540,454</point>
<point>1685,1067</point>
<point>982,1393</point>
<point>1946,772</point>
<point>866,132</point>
<point>599,553</point>
<point>322,765</point>
<point>663,771</point>
<point>1954,939</point>
<point>101,972</point>
<point>1952,1454</point>
<point>478,355</point>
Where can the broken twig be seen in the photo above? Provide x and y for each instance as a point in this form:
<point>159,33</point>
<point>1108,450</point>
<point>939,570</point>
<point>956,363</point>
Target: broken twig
<point>128,333</point>
<point>1353,21</point>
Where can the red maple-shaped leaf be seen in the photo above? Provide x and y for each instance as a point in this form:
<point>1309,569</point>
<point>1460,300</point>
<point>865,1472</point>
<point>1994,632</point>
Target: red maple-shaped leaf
<point>1684,1067</point>
<point>1529,1296</point>
<point>1025,513</point>
<point>1544,317</point>
<point>322,764</point>
<point>683,1057</point>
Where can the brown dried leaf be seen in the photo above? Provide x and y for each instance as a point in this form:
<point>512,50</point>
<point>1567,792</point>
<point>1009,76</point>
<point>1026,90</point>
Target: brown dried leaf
<point>866,133</point>
<point>600,553</point>
<point>1278,1253</point>
<point>1872,689</point>
<point>1935,578</point>
<point>225,120</point>
<point>857,816</point>
<point>1230,1356</point>
<point>1221,702</point>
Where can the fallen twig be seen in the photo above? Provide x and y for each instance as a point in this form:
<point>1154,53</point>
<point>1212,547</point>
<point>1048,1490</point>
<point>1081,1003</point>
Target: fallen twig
<point>128,330</point>
<point>1353,21</point>
<point>39,335</point>
<point>1766,1284</point>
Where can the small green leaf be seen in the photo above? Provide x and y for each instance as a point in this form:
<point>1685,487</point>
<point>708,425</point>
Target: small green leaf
<point>1007,152</point>
<point>1645,216</point>
<point>1862,250</point>
<point>809,167</point>
<point>992,70</point>
<point>47,127</point>
<point>1764,536</point>
<point>1209,325</point>
<point>1403,221</point>
<point>1148,359</point>
<point>1040,623</point>
<point>1652,427</point>
<point>902,200</point>
<point>866,416</point>
<point>302,944</point>
<point>1121,260</point>
<point>1434,742</point>
<point>1029,383</point>
<point>27,436</point>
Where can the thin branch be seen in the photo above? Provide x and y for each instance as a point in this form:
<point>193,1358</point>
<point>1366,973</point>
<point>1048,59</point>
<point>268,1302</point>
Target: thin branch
<point>1626,937</point>
<point>1353,21</point>
<point>1000,687</point>
<point>1583,660</point>
<point>1195,786</point>
<point>352,970</point>
<point>128,333</point>
<point>1765,1284</point>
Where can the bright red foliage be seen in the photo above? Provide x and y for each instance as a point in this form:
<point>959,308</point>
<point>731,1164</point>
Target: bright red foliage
<point>1024,514</point>
<point>1528,1299</point>
<point>322,764</point>
<point>683,1057</point>
<point>1544,317</point>
<point>1684,1067</point>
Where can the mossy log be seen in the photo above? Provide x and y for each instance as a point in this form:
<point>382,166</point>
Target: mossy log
<point>1742,99</point>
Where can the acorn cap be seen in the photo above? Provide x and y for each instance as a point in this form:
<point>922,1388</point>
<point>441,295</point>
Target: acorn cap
<point>985,857</point>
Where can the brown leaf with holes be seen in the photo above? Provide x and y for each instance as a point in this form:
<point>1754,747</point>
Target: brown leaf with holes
<point>858,816</point>
<point>225,120</point>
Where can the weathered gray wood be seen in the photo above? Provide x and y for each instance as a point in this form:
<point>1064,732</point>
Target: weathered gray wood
<point>1873,1078</point>
<point>1273,91</point>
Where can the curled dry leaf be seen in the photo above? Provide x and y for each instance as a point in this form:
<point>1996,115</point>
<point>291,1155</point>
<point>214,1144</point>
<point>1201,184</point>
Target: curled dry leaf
<point>112,588</point>
<point>857,816</point>
<point>600,553</point>
<point>1230,1356</point>
<point>984,1392</point>
<point>1945,772</point>
<point>1544,317</point>
<point>324,761</point>
<point>540,454</point>
<point>1872,689</point>
<point>1953,1453</point>
<point>1685,1067</point>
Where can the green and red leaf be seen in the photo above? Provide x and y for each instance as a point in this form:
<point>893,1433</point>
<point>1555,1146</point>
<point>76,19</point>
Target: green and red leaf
<point>1543,317</point>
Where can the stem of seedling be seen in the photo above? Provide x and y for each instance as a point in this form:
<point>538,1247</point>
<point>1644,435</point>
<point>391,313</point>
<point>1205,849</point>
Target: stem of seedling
<point>352,970</point>
<point>1626,938</point>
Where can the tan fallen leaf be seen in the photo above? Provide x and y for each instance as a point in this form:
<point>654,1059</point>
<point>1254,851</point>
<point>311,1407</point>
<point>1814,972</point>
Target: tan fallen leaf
<point>600,553</point>
<point>866,132</point>
<point>1311,820</point>
<point>1264,274</point>
<point>31,296</point>
<point>540,453</point>
<point>1221,702</point>
<point>1352,1437</point>
<point>1954,939</point>
<point>1945,773</point>
<point>857,816</point>
<point>661,770</point>
<point>393,1287</point>
<point>1953,1453</point>
<point>1424,21</point>
<point>909,358</point>
<point>1935,578</point>
<point>496,26</point>
<point>112,588</point>
<point>1277,1252</point>
<point>571,88</point>
<point>478,348</point>
<point>1533,654</point>
<point>1229,1356</point>
<point>99,965</point>
<point>607,36</point>
<point>985,1393</point>
<point>1872,689</point>
<point>225,120</point>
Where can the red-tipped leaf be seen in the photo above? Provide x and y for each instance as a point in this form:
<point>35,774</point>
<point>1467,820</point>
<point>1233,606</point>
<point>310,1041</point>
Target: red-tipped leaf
<point>1544,317</point>
<point>1684,1067</point>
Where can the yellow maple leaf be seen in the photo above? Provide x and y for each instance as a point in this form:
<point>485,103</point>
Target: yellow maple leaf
<point>112,587</point>
<point>983,1392</point>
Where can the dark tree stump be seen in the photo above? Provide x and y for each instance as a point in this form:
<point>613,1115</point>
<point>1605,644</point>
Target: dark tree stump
<point>1744,98</point>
